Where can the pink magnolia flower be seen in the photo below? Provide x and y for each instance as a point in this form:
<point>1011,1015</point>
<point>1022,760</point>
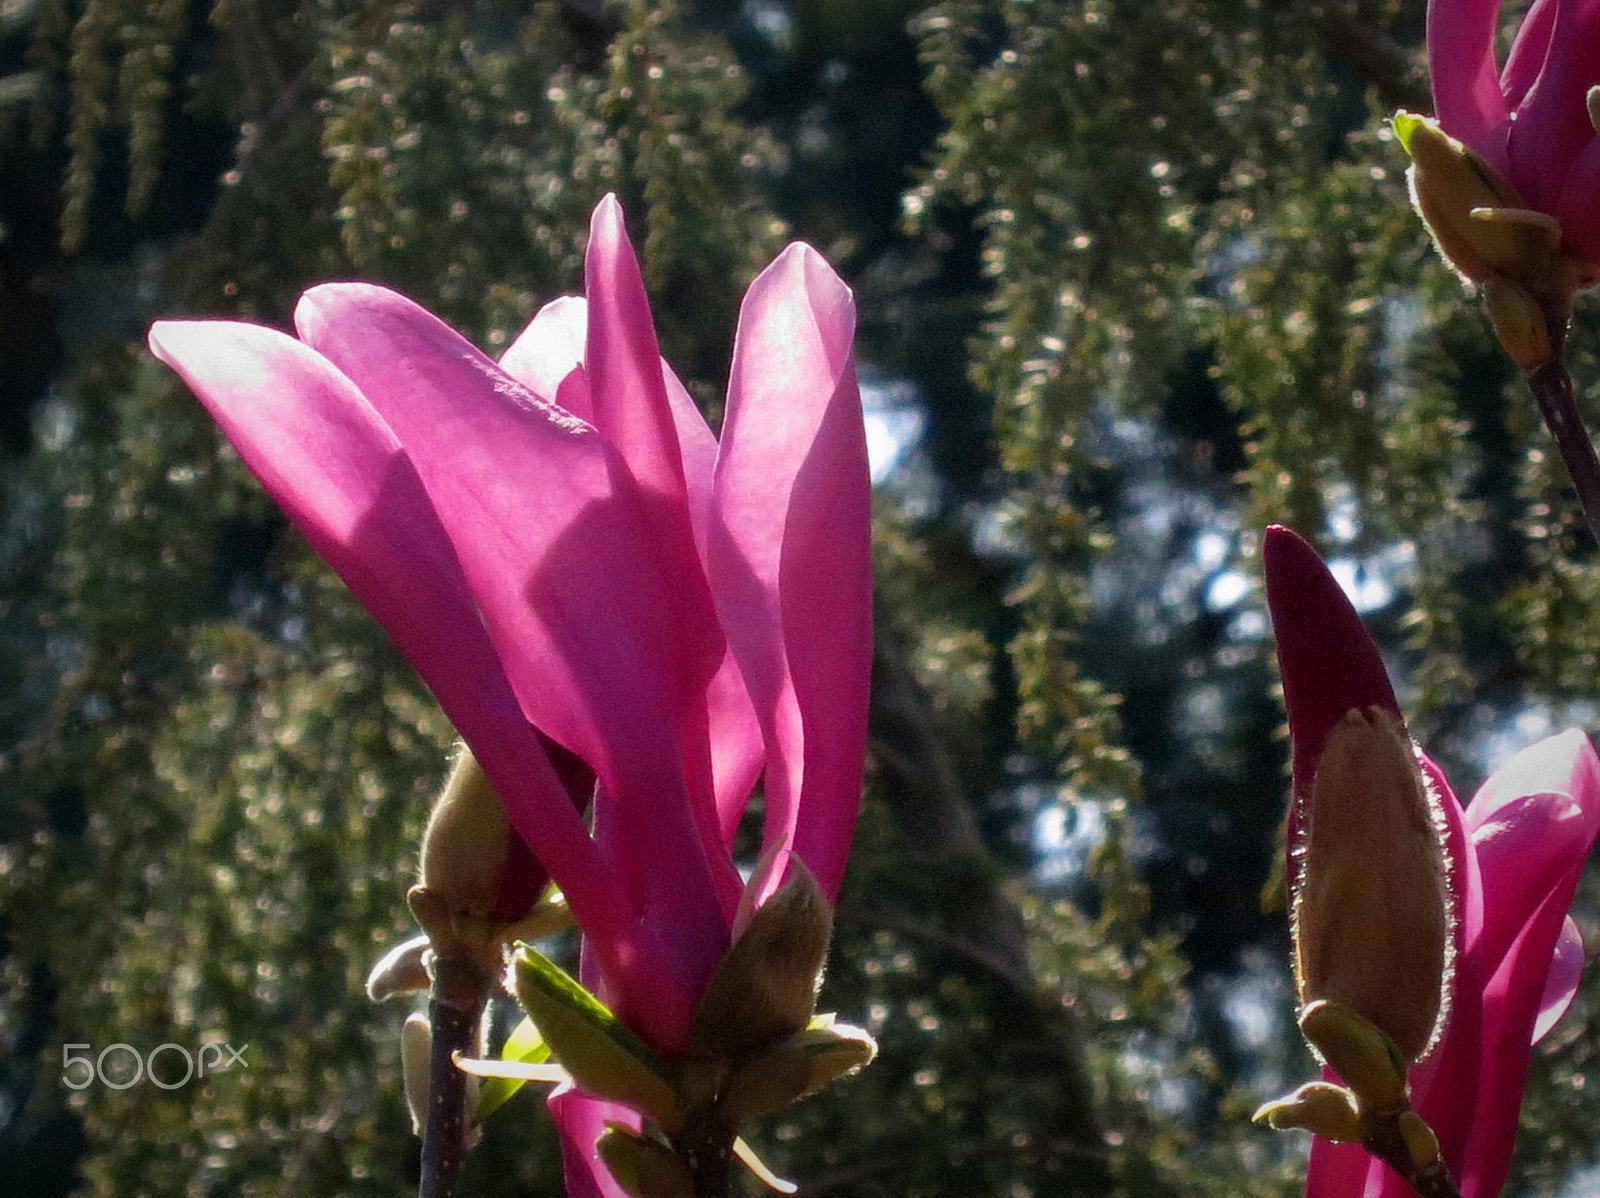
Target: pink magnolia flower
<point>1529,121</point>
<point>578,568</point>
<point>1514,856</point>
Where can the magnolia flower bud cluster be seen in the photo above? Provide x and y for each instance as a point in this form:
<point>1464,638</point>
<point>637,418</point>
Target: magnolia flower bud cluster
<point>1493,238</point>
<point>756,1045</point>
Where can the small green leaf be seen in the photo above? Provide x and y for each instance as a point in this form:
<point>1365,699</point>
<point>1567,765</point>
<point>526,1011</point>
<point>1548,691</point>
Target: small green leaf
<point>602,1053</point>
<point>523,1044</point>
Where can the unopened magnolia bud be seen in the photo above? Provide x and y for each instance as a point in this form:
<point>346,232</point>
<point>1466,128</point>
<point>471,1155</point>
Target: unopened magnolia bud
<point>1449,182</point>
<point>644,1167</point>
<point>402,970</point>
<point>464,846</point>
<point>771,1078</point>
<point>1322,1108</point>
<point>416,1053</point>
<point>765,986</point>
<point>1367,1060</point>
<point>1372,912</point>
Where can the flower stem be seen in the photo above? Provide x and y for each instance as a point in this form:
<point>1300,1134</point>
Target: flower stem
<point>1384,1140</point>
<point>1552,387</point>
<point>706,1149</point>
<point>454,1008</point>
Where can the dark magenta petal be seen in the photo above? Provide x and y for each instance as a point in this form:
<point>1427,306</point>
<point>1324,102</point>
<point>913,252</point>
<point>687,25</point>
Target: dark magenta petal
<point>1329,662</point>
<point>1461,63</point>
<point>1550,127</point>
<point>1528,51</point>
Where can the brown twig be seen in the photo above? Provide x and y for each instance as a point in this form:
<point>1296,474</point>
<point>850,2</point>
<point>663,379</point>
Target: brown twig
<point>1551,385</point>
<point>454,1008</point>
<point>1384,1140</point>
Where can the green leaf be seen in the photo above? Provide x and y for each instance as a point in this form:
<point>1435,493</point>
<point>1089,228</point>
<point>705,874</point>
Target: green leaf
<point>523,1044</point>
<point>604,1055</point>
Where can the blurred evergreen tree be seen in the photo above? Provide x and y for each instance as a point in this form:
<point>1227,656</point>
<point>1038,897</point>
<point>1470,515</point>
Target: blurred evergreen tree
<point>1143,272</point>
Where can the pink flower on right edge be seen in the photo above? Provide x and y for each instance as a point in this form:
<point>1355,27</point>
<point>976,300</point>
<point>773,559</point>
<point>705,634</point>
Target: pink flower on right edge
<point>1530,121</point>
<point>1513,858</point>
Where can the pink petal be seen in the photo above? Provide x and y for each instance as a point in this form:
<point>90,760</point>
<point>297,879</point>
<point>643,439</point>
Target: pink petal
<point>1551,124</point>
<point>638,416</point>
<point>329,460</point>
<point>1576,210</point>
<point>1528,51</point>
<point>624,362</point>
<point>736,746</point>
<point>1349,1171</point>
<point>601,639</point>
<point>1561,987</point>
<point>1530,850</point>
<point>581,1120</point>
<point>549,349</point>
<point>790,554</point>
<point>1466,85</point>
<point>1525,848</point>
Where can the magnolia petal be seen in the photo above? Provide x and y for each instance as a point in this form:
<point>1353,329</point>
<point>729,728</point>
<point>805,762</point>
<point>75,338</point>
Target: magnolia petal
<point>599,636</point>
<point>648,422</point>
<point>1461,62</point>
<point>1550,124</point>
<point>581,1121</point>
<point>623,361</point>
<point>1350,1171</point>
<point>789,551</point>
<point>1329,663</point>
<point>337,469</point>
<point>1512,960</point>
<point>1526,849</point>
<point>549,349</point>
<point>1577,211</point>
<point>736,745</point>
<point>1528,51</point>
<point>1561,987</point>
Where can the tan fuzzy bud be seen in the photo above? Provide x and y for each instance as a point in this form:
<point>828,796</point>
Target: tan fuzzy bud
<point>644,1167</point>
<point>1519,322</point>
<point>464,846</point>
<point>1372,913</point>
<point>1449,183</point>
<point>402,970</point>
<point>416,1059</point>
<point>765,986</point>
<point>1367,1060</point>
<point>771,1078</point>
<point>1322,1108</point>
